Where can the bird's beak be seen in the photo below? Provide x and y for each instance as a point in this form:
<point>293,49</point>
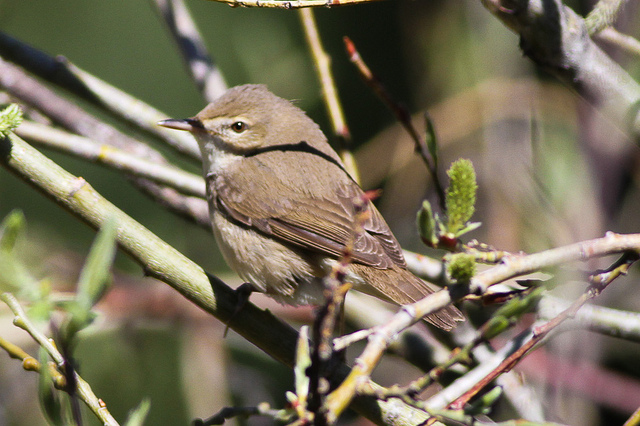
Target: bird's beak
<point>188,124</point>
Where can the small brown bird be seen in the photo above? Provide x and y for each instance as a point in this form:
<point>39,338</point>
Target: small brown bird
<point>281,204</point>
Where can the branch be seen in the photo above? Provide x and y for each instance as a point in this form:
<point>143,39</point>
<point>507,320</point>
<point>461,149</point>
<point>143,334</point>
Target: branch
<point>322,62</point>
<point>603,15</point>
<point>516,265</point>
<point>61,72</point>
<point>401,114</point>
<point>614,37</point>
<point>512,267</point>
<point>291,4</point>
<point>599,319</point>
<point>555,38</point>
<point>166,174</point>
<point>204,72</point>
<point>71,116</point>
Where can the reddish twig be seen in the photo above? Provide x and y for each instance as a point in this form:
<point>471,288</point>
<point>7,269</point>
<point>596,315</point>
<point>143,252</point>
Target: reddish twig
<point>599,281</point>
<point>399,111</point>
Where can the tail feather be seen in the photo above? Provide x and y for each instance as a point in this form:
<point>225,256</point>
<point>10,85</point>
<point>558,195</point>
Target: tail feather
<point>404,289</point>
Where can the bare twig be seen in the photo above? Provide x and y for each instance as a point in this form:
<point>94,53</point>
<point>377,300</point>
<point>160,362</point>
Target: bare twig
<point>599,281</point>
<point>322,62</point>
<point>134,111</point>
<point>28,89</point>
<point>203,70</point>
<point>59,71</point>
<point>599,319</point>
<point>379,340</point>
<point>401,113</point>
<point>515,266</point>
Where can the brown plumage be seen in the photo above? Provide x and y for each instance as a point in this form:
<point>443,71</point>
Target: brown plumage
<point>282,205</point>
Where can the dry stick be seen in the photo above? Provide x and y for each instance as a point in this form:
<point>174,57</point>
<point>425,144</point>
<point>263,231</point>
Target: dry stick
<point>598,319</point>
<point>322,62</point>
<point>291,4</point>
<point>506,365</point>
<point>163,262</point>
<point>61,72</point>
<point>203,70</point>
<point>401,113</point>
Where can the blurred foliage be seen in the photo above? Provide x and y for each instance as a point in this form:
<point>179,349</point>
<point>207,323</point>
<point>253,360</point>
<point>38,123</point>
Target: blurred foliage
<point>550,171</point>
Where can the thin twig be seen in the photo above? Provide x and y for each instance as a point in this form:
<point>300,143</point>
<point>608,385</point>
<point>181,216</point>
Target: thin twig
<point>599,281</point>
<point>322,62</point>
<point>72,117</point>
<point>556,38</point>
<point>83,389</point>
<point>401,113</point>
<point>203,70</point>
<point>612,243</point>
<point>134,111</point>
<point>79,146</point>
<point>599,319</point>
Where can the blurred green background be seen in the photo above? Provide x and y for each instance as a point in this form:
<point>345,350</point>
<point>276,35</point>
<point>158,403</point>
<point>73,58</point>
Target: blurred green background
<point>551,171</point>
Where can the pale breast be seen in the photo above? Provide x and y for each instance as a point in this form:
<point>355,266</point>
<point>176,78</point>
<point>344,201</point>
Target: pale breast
<point>282,272</point>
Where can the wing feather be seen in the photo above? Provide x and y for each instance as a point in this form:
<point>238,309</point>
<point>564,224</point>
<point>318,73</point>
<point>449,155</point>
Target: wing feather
<point>317,213</point>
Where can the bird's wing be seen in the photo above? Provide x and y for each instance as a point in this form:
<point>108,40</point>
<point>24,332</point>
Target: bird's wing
<point>317,213</point>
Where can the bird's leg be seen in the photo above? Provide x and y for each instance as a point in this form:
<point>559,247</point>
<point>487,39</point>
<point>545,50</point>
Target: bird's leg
<point>243,292</point>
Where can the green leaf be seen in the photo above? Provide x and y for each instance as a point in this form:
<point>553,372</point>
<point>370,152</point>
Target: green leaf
<point>10,118</point>
<point>14,276</point>
<point>96,273</point>
<point>427,224</point>
<point>483,404</point>
<point>461,195</point>
<point>12,226</point>
<point>517,306</point>
<point>94,281</point>
<point>139,414</point>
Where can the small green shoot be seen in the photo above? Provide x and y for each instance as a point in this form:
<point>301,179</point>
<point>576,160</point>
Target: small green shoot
<point>10,118</point>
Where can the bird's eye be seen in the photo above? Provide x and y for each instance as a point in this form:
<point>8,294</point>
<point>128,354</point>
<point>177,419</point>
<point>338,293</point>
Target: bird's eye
<point>239,126</point>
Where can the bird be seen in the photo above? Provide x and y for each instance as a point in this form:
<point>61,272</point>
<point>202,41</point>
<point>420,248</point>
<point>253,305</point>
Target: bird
<point>282,206</point>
